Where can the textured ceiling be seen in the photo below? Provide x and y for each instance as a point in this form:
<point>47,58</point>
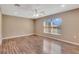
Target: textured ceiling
<point>28,10</point>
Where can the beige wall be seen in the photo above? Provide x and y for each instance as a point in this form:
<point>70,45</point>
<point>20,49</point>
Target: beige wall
<point>16,26</point>
<point>70,26</point>
<point>0,27</point>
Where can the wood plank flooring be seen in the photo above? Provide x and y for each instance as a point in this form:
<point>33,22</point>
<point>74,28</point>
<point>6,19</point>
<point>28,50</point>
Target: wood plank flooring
<point>36,45</point>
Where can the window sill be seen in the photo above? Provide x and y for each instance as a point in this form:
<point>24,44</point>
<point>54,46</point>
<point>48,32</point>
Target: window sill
<point>54,33</point>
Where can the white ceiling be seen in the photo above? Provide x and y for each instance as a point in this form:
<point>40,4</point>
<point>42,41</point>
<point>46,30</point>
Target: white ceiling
<point>27,10</point>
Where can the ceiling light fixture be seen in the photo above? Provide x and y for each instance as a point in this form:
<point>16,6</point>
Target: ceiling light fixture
<point>17,5</point>
<point>62,5</point>
<point>36,14</point>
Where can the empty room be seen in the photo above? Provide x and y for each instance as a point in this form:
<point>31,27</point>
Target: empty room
<point>39,28</point>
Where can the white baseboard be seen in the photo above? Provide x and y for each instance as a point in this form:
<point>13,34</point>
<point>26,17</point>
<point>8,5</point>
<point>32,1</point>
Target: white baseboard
<point>74,43</point>
<point>17,36</point>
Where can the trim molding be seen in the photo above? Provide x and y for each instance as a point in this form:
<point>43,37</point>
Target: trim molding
<point>17,36</point>
<point>66,41</point>
<point>74,43</point>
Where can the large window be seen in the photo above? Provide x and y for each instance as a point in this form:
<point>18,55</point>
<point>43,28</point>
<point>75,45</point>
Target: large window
<point>52,26</point>
<point>47,26</point>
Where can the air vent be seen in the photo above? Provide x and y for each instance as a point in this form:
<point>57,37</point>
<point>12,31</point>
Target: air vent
<point>17,5</point>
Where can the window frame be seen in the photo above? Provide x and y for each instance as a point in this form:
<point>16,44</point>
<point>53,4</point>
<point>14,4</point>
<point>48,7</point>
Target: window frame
<point>50,27</point>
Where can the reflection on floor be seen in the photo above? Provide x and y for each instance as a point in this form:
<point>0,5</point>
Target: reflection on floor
<point>36,45</point>
<point>51,47</point>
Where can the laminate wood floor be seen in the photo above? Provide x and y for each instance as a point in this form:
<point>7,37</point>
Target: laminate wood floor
<point>36,45</point>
